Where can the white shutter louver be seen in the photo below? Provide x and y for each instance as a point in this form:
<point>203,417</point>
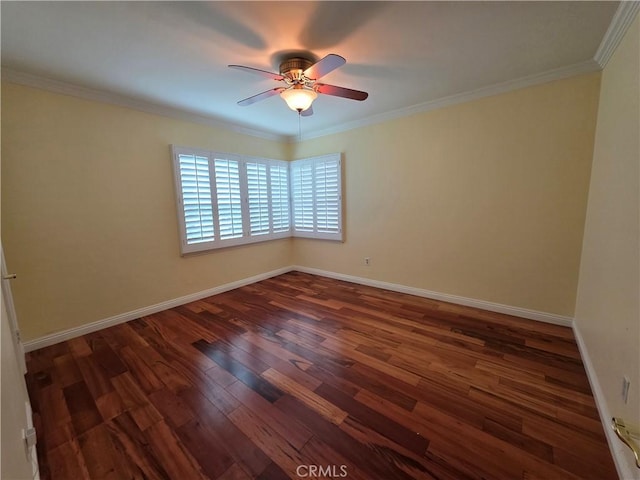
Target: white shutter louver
<point>258,198</point>
<point>196,198</point>
<point>227,174</point>
<point>280,198</point>
<point>302,184</point>
<point>327,196</point>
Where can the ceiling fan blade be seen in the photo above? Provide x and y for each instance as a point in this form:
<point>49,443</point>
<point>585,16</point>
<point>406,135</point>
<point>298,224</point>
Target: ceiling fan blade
<point>263,73</point>
<point>340,92</point>
<point>260,96</point>
<point>308,112</point>
<point>324,66</point>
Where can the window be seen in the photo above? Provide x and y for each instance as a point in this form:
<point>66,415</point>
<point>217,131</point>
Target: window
<point>227,199</point>
<point>302,194</point>
<point>316,193</point>
<point>280,197</point>
<point>258,189</point>
<point>196,197</point>
<point>227,191</point>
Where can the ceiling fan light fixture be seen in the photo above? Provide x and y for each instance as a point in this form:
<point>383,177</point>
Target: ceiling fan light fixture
<point>299,98</point>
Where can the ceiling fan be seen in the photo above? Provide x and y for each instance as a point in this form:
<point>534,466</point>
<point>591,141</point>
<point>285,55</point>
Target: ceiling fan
<point>300,76</point>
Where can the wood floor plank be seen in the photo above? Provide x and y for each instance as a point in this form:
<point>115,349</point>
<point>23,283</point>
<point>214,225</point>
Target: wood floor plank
<point>66,461</point>
<point>55,417</point>
<point>277,357</point>
<point>210,454</point>
<point>406,461</point>
<point>224,433</point>
<point>380,365</point>
<point>78,347</point>
<point>96,379</point>
<point>205,386</point>
<point>301,370</point>
<point>175,412</point>
<point>130,440</point>
<point>66,370</point>
<point>273,472</point>
<point>143,374</point>
<point>290,429</point>
<point>239,370</point>
<point>82,407</point>
<point>501,459</point>
<point>375,420</point>
<point>329,463</point>
<point>172,454</point>
<point>101,458</point>
<point>272,444</point>
<point>329,410</point>
<point>220,376</point>
<point>110,405</point>
<point>234,472</point>
<point>363,455</point>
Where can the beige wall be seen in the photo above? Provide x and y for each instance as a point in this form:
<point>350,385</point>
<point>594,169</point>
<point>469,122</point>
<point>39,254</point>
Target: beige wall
<point>485,199</point>
<point>607,309</point>
<point>89,219</point>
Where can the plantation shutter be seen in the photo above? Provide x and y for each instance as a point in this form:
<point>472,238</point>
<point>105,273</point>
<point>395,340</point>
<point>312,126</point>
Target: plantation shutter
<point>316,192</point>
<point>258,198</point>
<point>302,195</point>
<point>194,194</point>
<point>327,177</point>
<point>225,199</point>
<point>279,182</point>
<point>229,198</point>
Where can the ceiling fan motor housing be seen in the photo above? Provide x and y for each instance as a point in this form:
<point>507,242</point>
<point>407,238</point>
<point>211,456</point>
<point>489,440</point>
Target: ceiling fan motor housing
<point>293,67</point>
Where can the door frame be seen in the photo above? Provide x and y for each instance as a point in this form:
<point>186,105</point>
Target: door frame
<point>7,297</point>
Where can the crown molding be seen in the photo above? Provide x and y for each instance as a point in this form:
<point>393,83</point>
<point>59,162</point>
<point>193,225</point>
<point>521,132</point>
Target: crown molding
<point>65,88</point>
<point>490,90</point>
<point>56,86</point>
<point>622,19</point>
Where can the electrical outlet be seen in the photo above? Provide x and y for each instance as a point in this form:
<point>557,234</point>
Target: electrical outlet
<point>367,261</point>
<point>626,383</point>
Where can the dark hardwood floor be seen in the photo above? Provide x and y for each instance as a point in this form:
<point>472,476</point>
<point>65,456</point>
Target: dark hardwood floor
<point>302,376</point>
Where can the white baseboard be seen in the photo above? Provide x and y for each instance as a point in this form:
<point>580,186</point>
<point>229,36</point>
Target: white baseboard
<point>445,297</point>
<point>65,335</point>
<point>619,451</point>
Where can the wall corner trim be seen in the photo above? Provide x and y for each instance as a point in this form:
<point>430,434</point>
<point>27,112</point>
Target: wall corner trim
<point>617,448</point>
<point>620,22</point>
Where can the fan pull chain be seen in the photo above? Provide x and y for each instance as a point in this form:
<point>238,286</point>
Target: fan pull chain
<point>299,126</point>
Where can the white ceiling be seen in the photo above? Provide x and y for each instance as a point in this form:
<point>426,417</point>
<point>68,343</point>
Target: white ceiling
<point>405,54</point>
